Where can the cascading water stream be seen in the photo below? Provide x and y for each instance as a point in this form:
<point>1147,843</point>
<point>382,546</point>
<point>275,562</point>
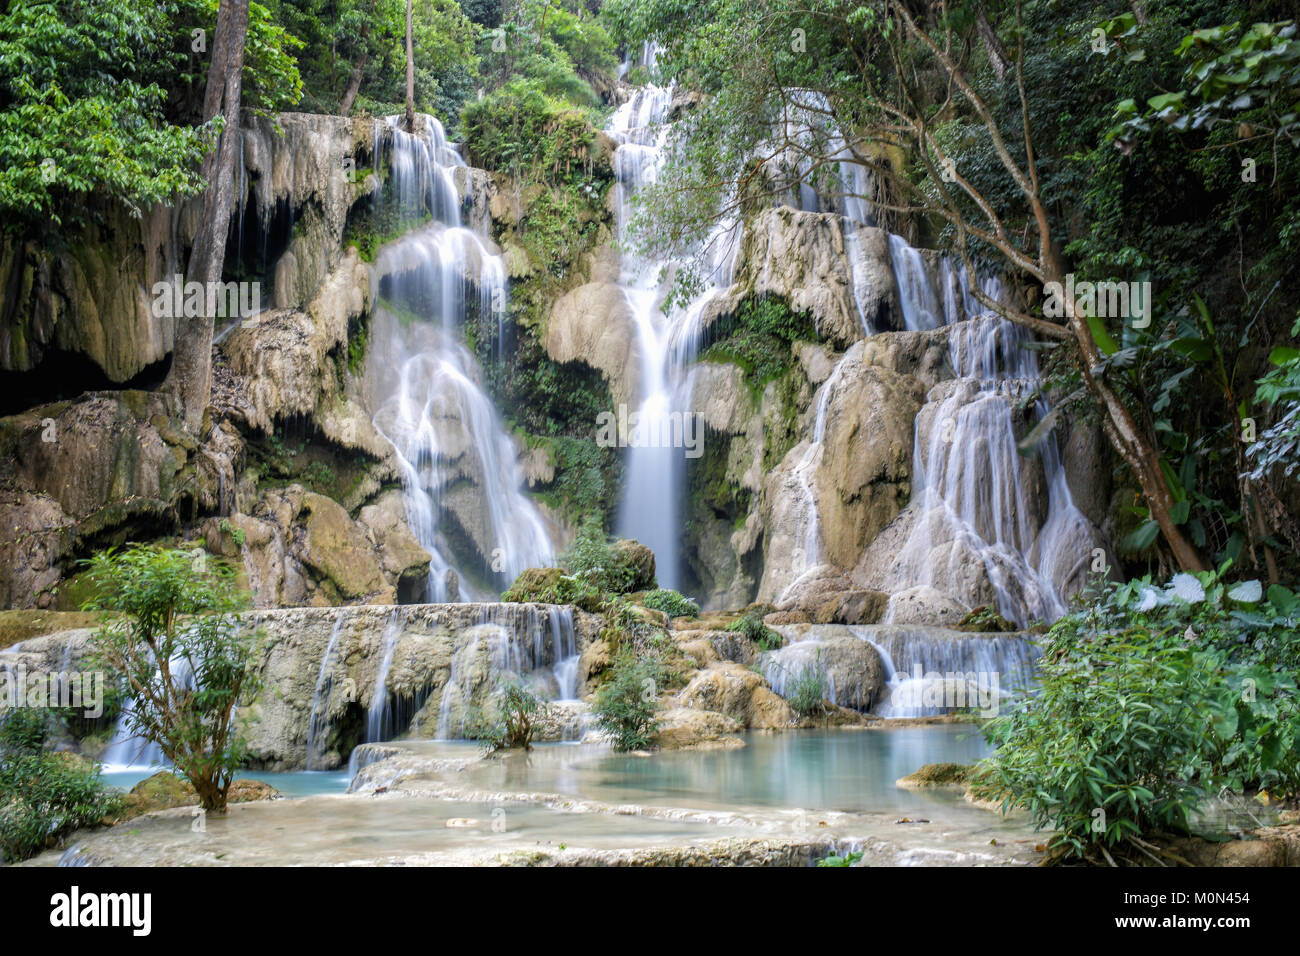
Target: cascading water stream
<point>424,384</point>
<point>977,498</point>
<point>655,466</point>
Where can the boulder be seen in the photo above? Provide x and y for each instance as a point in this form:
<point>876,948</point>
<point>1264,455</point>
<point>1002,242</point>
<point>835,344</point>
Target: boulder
<point>739,693</point>
<point>337,548</point>
<point>924,605</point>
<point>682,728</point>
<point>936,775</point>
<point>593,324</point>
<point>636,562</point>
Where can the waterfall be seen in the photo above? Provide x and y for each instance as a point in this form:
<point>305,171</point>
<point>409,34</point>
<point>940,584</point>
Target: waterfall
<point>536,644</point>
<point>977,501</point>
<point>926,668</point>
<point>378,717</point>
<point>425,387</point>
<point>807,554</point>
<point>318,721</point>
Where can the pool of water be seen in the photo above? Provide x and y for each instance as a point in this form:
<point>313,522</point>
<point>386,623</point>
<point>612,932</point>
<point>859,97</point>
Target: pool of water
<point>307,783</point>
<point>440,802</point>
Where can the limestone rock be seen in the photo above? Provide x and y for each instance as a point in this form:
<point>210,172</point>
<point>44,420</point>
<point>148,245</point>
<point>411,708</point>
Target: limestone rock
<point>739,693</point>
<point>337,548</point>
<point>683,728</point>
<point>593,324</point>
<point>924,605</point>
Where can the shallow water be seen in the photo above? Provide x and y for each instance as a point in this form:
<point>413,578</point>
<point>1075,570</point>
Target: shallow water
<point>308,783</point>
<point>441,802</point>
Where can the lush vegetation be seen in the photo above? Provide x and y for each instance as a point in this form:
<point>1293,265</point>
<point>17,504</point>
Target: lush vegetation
<point>751,625</point>
<point>625,705</point>
<point>182,655</point>
<point>1152,701</point>
<point>757,337</point>
<point>671,603</point>
<point>43,795</point>
<point>1039,140</point>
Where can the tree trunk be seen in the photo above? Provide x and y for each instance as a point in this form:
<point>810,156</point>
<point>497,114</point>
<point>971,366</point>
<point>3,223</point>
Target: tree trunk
<point>1135,446</point>
<point>191,372</point>
<point>410,73</point>
<point>992,45</point>
<point>354,83</point>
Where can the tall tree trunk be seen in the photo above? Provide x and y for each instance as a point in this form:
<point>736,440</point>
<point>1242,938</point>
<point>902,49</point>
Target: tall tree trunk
<point>191,372</point>
<point>410,73</point>
<point>1134,444</point>
<point>992,45</point>
<point>354,82</point>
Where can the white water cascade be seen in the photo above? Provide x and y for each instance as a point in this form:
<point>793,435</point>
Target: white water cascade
<point>667,344</point>
<point>979,503</point>
<point>537,645</point>
<point>425,387</point>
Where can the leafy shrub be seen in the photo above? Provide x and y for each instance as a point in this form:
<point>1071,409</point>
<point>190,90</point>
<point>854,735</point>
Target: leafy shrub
<point>43,796</point>
<point>757,338</point>
<point>849,859</point>
<point>624,707</point>
<point>511,719</point>
<point>182,654</point>
<point>807,690</point>
<point>752,627</point>
<point>1151,701</point>
<point>671,603</point>
<point>592,558</point>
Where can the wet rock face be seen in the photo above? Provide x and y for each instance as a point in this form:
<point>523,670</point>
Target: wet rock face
<point>444,662</point>
<point>91,305</point>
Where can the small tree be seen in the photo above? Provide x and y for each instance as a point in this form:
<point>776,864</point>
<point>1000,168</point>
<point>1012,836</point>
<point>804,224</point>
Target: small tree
<point>625,704</point>
<point>182,654</point>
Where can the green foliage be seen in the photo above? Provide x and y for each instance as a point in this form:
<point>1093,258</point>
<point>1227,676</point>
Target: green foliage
<point>344,36</point>
<point>758,338</point>
<point>1278,446</point>
<point>510,723</point>
<point>751,626</point>
<point>671,603</point>
<point>624,706</point>
<point>1236,74</point>
<point>592,558</point>
<point>43,795</point>
<point>182,654</point>
<point>522,130</point>
<point>848,859</point>
<point>1152,700</point>
<point>74,92</point>
<point>806,690</point>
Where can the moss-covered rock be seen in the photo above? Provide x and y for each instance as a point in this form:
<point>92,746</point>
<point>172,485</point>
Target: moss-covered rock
<point>937,775</point>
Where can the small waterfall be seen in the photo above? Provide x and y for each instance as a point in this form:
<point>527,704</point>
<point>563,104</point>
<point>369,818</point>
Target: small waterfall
<point>977,500</point>
<point>920,305</point>
<point>932,671</point>
<point>424,385</point>
<point>808,554</point>
<point>537,644</point>
<point>378,717</point>
<point>318,722</point>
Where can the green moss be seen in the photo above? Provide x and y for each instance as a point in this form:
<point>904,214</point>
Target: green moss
<point>757,337</point>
